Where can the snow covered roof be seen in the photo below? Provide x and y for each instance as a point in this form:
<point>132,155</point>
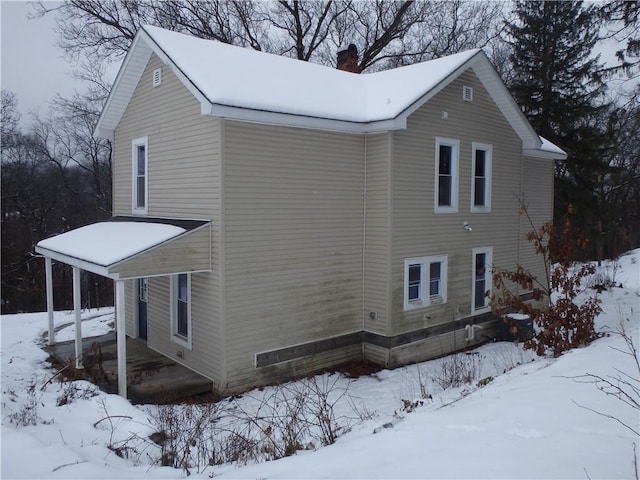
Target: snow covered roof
<point>102,246</point>
<point>548,150</point>
<point>245,84</point>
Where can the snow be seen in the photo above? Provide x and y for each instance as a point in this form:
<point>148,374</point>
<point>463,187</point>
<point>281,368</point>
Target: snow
<point>534,419</point>
<point>106,243</point>
<point>322,92</point>
<point>548,146</point>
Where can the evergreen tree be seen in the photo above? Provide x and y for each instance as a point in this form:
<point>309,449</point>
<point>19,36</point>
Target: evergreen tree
<point>556,81</point>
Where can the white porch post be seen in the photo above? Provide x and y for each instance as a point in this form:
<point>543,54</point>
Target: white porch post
<point>49,287</point>
<point>77,303</point>
<point>121,339</point>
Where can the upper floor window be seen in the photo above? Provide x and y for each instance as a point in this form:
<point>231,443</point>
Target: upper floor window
<point>482,259</point>
<point>481,166</point>
<point>425,281</point>
<point>446,175</point>
<point>140,182</point>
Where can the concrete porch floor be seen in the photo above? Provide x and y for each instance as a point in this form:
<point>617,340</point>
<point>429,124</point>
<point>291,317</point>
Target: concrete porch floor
<point>151,377</point>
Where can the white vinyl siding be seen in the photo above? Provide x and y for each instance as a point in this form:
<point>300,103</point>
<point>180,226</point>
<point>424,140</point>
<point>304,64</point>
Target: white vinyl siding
<point>481,171</point>
<point>482,265</point>
<point>425,281</point>
<point>537,198</point>
<point>293,212</point>
<point>378,234</point>
<point>446,177</point>
<point>183,182</point>
<point>418,229</point>
<point>140,175</point>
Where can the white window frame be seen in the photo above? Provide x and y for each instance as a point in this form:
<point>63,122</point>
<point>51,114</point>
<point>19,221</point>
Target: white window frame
<point>488,252</point>
<point>455,174</point>
<point>488,174</point>
<point>185,341</point>
<point>135,143</point>
<point>424,298</point>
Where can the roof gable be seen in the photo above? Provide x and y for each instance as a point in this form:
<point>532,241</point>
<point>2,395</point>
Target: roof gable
<point>248,85</point>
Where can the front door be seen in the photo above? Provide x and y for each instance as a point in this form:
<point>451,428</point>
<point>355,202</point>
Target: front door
<point>143,296</point>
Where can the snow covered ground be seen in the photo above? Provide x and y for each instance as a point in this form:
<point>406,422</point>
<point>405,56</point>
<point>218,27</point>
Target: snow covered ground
<point>534,419</point>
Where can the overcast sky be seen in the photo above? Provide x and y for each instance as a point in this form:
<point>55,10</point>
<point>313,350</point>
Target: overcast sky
<point>32,66</point>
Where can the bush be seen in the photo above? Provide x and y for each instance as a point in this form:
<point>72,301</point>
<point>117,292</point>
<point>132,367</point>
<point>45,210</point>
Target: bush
<point>458,369</point>
<point>563,322</point>
<point>259,427</point>
<point>27,414</point>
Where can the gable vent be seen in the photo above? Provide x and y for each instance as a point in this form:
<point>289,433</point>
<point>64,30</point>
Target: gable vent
<point>467,94</point>
<point>157,77</point>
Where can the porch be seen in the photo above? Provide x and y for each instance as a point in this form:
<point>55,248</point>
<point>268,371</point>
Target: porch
<point>151,377</point>
<point>125,248</point>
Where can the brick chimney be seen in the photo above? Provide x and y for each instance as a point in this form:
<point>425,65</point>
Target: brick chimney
<point>348,59</point>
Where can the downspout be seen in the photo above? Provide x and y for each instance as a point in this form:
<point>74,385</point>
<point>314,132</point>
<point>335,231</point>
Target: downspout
<point>364,242</point>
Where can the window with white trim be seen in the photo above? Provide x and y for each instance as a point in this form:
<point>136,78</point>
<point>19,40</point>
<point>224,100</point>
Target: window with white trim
<point>140,184</point>
<point>181,309</point>
<point>481,167</point>
<point>482,259</point>
<point>446,175</point>
<point>425,281</point>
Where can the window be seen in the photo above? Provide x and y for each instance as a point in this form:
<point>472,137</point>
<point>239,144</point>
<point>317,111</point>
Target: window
<point>482,259</point>
<point>181,309</point>
<point>446,177</point>
<point>481,177</point>
<point>425,280</point>
<point>140,175</point>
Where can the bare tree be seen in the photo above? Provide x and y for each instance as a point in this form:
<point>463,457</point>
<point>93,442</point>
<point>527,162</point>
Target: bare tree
<point>388,34</point>
<point>9,116</point>
<point>66,141</point>
<point>302,27</point>
<point>55,178</point>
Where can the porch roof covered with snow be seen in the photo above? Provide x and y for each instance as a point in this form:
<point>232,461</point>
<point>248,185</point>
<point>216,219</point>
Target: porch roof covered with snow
<point>133,247</point>
<point>125,248</point>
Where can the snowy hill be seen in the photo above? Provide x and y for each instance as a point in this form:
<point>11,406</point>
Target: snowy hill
<point>520,417</point>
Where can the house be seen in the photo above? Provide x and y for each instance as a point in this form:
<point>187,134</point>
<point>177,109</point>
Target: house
<point>274,217</point>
